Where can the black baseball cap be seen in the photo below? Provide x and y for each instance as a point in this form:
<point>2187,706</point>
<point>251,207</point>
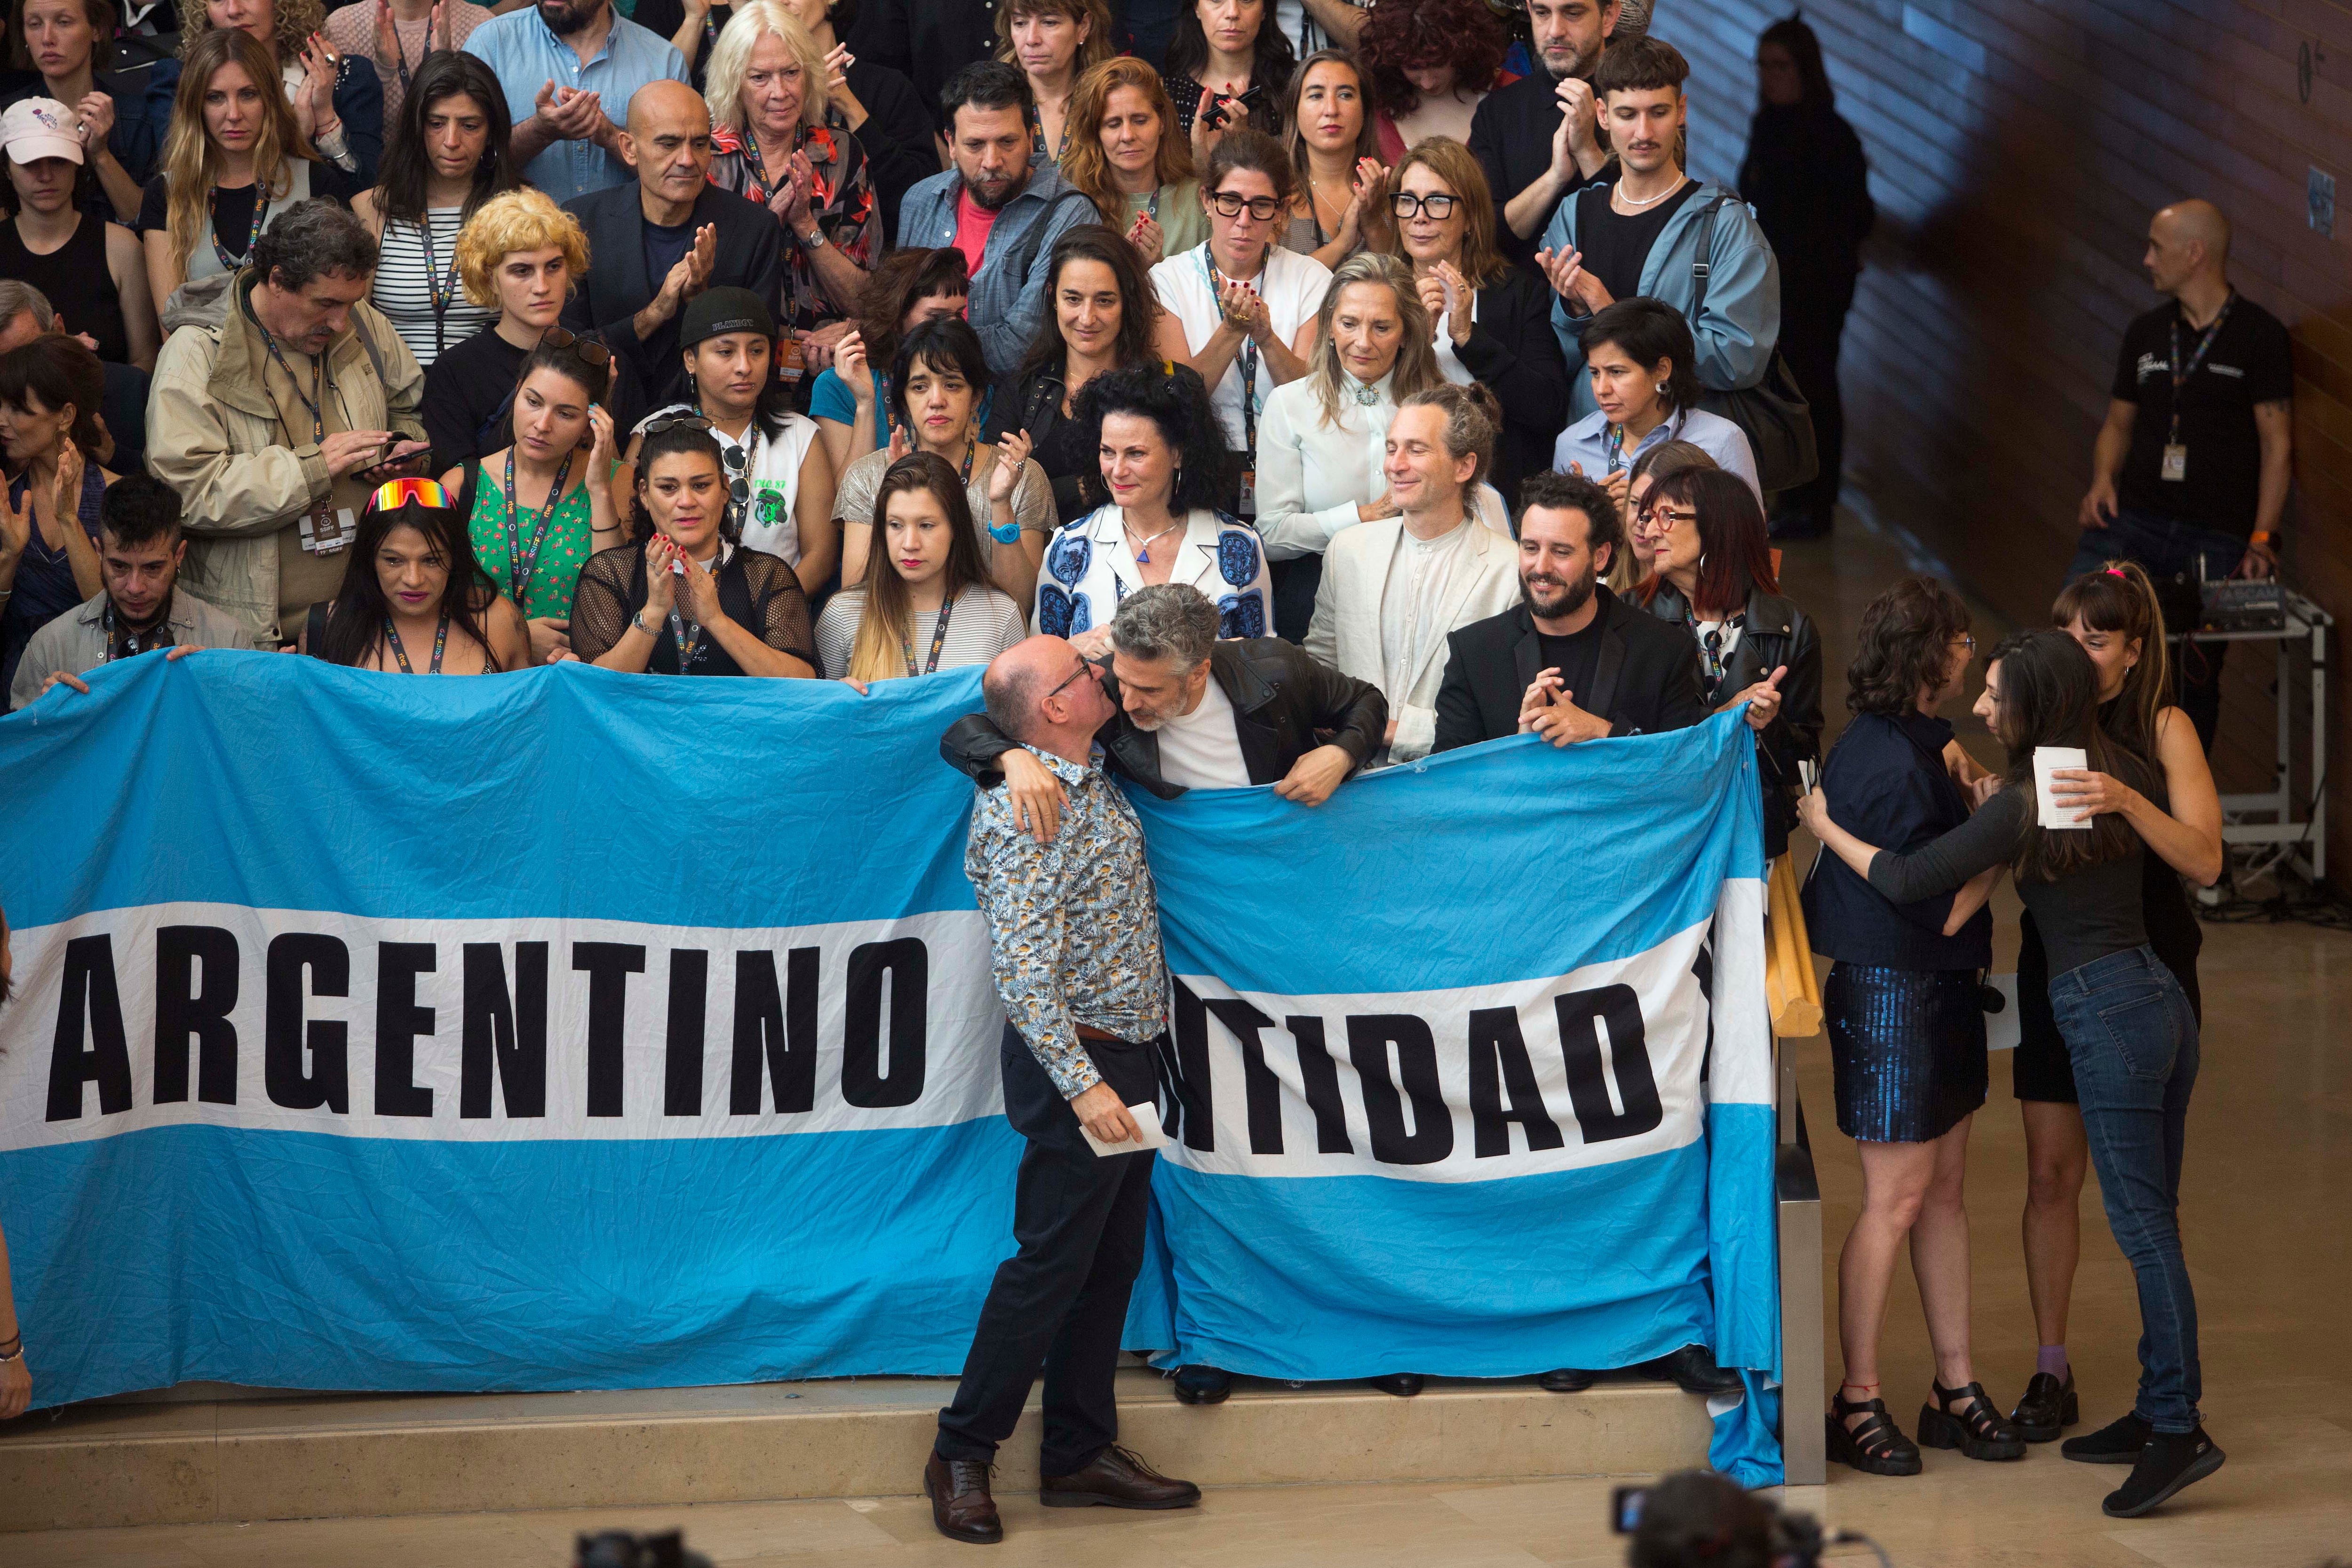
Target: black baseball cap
<point>717,312</point>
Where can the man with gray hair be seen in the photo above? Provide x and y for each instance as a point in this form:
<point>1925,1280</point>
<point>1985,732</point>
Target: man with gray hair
<point>1191,711</point>
<point>275,421</point>
<point>1074,938</point>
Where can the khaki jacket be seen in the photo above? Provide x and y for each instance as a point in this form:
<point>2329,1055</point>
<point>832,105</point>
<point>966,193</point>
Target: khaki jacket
<point>217,434</point>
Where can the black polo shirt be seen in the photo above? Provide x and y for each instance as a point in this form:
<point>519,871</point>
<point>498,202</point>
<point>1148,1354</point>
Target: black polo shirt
<point>2252,361</point>
<point>1510,134</point>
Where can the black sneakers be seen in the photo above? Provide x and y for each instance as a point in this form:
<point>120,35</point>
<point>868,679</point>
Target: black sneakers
<point>2117,1443</point>
<point>2170,1461</point>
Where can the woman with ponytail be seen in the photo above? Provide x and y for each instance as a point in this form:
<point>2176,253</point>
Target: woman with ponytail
<point>2114,614</point>
<point>2130,1034</point>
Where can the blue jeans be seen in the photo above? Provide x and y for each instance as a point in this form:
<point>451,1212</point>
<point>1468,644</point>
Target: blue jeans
<point>2132,1041</point>
<point>2167,547</point>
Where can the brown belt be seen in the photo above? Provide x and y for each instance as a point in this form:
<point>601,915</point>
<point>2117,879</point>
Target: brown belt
<point>1088,1032</point>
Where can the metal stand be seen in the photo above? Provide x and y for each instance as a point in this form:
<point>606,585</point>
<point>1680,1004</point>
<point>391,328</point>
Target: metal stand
<point>1803,1394</point>
<point>2300,845</point>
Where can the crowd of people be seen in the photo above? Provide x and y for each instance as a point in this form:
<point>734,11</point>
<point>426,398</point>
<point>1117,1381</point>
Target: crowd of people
<point>1193,367</point>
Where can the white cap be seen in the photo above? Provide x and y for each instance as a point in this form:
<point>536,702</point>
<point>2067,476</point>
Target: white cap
<point>37,128</point>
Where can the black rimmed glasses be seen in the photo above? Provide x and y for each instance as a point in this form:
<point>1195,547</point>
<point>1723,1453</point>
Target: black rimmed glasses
<point>1232,203</point>
<point>1436,207</point>
<point>1086,667</point>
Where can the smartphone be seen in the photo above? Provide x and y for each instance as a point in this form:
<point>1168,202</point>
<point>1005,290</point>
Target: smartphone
<point>414,466</point>
<point>1625,1508</point>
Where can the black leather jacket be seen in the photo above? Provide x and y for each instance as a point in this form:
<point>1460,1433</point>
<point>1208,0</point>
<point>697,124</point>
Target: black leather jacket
<point>1775,633</point>
<point>1284,705</point>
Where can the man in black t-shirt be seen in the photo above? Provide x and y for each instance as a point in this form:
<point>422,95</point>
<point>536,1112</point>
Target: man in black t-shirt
<point>1538,138</point>
<point>2190,470</point>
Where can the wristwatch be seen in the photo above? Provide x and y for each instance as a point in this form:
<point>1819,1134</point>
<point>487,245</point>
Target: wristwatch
<point>816,243</point>
<point>637,619</point>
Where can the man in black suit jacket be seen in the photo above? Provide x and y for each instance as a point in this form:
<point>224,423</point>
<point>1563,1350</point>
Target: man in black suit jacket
<point>1574,662</point>
<point>658,243</point>
<point>1284,705</point>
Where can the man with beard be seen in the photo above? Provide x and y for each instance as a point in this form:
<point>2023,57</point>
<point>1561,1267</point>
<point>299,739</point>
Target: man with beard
<point>1573,662</point>
<point>1640,233</point>
<point>138,552</point>
<point>1191,711</point>
<point>1394,589</point>
<point>664,239</point>
<point>1538,139</point>
<point>1003,215</point>
<point>569,60</point>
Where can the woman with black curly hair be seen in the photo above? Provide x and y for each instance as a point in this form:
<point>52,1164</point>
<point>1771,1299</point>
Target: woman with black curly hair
<point>1430,64</point>
<point>1163,457</point>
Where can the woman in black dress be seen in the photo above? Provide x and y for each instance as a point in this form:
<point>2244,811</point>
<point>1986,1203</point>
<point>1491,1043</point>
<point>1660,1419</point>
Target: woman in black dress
<point>1905,1026</point>
<point>2114,614</point>
<point>1105,317</point>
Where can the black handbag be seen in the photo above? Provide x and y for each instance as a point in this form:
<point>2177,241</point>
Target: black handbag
<point>1773,413</point>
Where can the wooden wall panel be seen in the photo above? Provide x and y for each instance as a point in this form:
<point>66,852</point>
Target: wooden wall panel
<point>2017,149</point>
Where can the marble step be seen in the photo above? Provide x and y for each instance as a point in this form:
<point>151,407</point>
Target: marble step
<point>181,1460</point>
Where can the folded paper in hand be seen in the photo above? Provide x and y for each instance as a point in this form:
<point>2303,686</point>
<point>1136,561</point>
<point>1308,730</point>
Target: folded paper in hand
<point>2047,760</point>
<point>1148,1134</point>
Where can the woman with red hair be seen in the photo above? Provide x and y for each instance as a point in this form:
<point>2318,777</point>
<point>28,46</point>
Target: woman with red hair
<point>1431,62</point>
<point>1711,572</point>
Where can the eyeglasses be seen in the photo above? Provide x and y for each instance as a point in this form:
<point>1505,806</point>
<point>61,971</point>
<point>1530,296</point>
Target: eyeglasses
<point>1231,204</point>
<point>1438,208</point>
<point>394,494</point>
<point>1967,641</point>
<point>1086,667</point>
<point>590,351</point>
<point>1665,516</point>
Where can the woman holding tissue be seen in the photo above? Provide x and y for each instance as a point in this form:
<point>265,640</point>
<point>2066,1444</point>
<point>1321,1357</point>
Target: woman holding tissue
<point>2130,1034</point>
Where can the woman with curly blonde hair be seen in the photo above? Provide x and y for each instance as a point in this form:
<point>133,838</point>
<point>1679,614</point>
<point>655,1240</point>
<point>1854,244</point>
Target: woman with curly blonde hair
<point>521,254</point>
<point>338,101</point>
<point>771,144</point>
<point>1125,154</point>
<point>233,158</point>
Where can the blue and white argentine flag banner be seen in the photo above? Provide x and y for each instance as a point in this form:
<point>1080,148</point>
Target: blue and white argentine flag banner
<point>1472,1065</point>
<point>573,1030</point>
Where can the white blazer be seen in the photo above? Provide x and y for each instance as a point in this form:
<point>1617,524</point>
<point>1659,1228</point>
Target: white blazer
<point>1090,568</point>
<point>1346,631</point>
<point>1311,474</point>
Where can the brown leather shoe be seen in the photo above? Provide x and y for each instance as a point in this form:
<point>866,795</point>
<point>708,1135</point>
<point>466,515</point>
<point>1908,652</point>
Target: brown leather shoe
<point>1116,1477</point>
<point>961,1504</point>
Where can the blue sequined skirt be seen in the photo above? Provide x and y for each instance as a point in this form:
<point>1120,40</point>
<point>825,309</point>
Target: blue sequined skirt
<point>1909,1047</point>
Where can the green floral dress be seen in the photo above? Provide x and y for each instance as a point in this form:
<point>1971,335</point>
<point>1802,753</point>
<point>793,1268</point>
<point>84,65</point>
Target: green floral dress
<point>547,595</point>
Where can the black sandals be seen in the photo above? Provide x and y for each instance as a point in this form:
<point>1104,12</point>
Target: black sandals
<point>1875,1447</point>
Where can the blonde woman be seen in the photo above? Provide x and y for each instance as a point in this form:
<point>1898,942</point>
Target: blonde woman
<point>926,604</point>
<point>1054,42</point>
<point>338,101</point>
<point>1322,440</point>
<point>772,144</point>
<point>519,255</point>
<point>1124,152</point>
<point>233,158</point>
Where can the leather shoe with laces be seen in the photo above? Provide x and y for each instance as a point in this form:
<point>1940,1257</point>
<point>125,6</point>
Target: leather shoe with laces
<point>960,1505</point>
<point>2047,1409</point>
<point>1116,1478</point>
<point>1567,1380</point>
<point>1694,1371</point>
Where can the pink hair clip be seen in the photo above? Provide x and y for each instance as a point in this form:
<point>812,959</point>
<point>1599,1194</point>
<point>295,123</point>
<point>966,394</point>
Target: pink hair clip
<point>2115,571</point>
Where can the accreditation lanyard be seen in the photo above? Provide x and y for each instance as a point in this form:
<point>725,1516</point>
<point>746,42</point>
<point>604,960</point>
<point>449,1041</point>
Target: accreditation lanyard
<point>938,641</point>
<point>2176,455</point>
<point>440,644</point>
<point>315,400</point>
<point>760,168</point>
<point>688,635</point>
<point>442,289</point>
<point>130,644</point>
<point>1217,281</point>
<point>523,562</point>
<point>260,215</point>
<point>1037,134</point>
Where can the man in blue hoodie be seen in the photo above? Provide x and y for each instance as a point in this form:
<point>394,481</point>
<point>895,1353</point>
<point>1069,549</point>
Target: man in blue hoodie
<point>1639,232</point>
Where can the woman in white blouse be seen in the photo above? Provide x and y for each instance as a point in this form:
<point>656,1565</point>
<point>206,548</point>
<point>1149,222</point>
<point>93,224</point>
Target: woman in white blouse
<point>1325,437</point>
<point>1161,454</point>
<point>1247,306</point>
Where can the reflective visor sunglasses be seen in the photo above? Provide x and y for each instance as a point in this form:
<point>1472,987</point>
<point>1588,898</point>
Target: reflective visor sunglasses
<point>394,494</point>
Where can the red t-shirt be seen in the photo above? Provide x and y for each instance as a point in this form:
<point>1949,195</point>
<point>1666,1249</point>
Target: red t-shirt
<point>973,223</point>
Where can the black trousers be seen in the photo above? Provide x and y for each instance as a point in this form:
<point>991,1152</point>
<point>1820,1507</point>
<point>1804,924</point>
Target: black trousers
<point>1812,325</point>
<point>1058,1304</point>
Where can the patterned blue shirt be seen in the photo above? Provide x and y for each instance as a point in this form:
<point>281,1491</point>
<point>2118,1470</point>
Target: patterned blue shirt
<point>1073,926</point>
<point>526,55</point>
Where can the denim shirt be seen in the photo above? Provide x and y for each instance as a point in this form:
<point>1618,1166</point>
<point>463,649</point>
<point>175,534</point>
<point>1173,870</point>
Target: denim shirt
<point>1073,926</point>
<point>526,55</point>
<point>1007,302</point>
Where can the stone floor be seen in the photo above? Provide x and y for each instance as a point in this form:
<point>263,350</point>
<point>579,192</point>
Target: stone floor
<point>2266,1214</point>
